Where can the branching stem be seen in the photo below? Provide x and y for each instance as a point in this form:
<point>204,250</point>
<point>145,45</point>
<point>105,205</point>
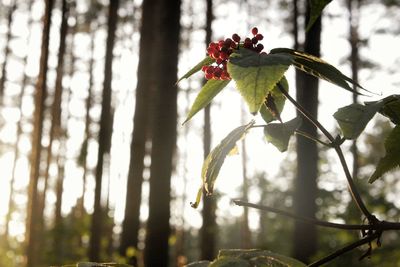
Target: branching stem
<point>352,188</point>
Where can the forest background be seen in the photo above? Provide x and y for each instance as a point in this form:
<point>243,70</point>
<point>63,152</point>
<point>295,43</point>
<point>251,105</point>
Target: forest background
<point>96,165</point>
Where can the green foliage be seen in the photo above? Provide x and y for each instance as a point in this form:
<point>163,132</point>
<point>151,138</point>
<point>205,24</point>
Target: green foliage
<point>392,158</point>
<point>213,163</point>
<point>250,257</point>
<point>317,67</point>
<point>256,75</point>
<point>354,118</point>
<point>207,93</point>
<point>391,108</point>
<point>279,134</point>
<point>206,61</point>
<point>267,112</point>
<point>316,7</point>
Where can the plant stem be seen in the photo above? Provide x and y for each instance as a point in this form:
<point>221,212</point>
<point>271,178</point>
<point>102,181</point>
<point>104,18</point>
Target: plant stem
<point>306,135</point>
<point>352,188</point>
<point>347,248</point>
<point>304,219</point>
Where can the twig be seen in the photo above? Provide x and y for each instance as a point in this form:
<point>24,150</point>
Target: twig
<point>347,248</point>
<point>306,135</point>
<point>304,219</point>
<point>352,188</point>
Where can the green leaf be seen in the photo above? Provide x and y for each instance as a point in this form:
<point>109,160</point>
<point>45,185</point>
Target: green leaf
<point>199,264</point>
<point>316,7</point>
<point>96,264</point>
<point>215,159</point>
<point>207,93</point>
<point>392,158</point>
<point>261,257</point>
<point>279,100</point>
<point>257,74</point>
<point>279,134</point>
<point>390,108</point>
<point>317,67</point>
<point>206,61</point>
<point>230,262</point>
<point>354,118</point>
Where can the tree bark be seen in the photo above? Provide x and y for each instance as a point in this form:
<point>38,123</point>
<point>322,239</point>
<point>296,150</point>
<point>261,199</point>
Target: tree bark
<point>164,133</point>
<point>353,7</point>
<point>209,227</point>
<point>105,119</point>
<point>305,235</point>
<point>88,122</point>
<point>55,109</point>
<point>141,131</point>
<point>19,132</point>
<point>40,96</point>
<point>3,77</point>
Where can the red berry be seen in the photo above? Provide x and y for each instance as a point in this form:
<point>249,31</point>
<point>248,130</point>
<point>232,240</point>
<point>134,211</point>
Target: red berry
<point>225,75</point>
<point>219,60</point>
<point>215,54</point>
<point>247,45</point>
<point>259,37</point>
<point>212,44</point>
<point>210,70</point>
<point>209,76</point>
<point>236,37</point>
<point>218,72</point>
<point>254,40</point>
<point>221,43</point>
<point>228,42</point>
<point>233,45</point>
<point>223,55</point>
<point>254,31</point>
<point>204,68</point>
<point>259,47</point>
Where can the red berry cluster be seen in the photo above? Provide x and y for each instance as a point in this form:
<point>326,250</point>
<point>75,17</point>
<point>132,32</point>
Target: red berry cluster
<point>221,50</point>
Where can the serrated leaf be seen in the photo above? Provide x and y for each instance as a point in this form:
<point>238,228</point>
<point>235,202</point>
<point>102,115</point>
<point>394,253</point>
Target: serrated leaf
<point>392,158</point>
<point>207,93</point>
<point>279,134</point>
<point>353,118</point>
<point>316,7</point>
<point>318,68</point>
<point>216,158</point>
<point>206,61</point>
<point>262,257</point>
<point>256,75</point>
<point>279,101</point>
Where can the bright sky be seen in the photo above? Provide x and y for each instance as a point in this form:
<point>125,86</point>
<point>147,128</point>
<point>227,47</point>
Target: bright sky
<point>226,109</point>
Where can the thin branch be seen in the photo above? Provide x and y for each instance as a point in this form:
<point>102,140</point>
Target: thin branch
<point>304,219</point>
<point>347,248</point>
<point>306,135</point>
<point>352,188</point>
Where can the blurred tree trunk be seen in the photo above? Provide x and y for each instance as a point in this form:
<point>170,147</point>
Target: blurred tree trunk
<point>305,190</point>
<point>104,142</point>
<point>244,229</point>
<point>141,131</point>
<point>164,133</point>
<point>88,122</point>
<point>32,221</point>
<point>19,132</point>
<point>3,77</point>
<point>209,227</point>
<point>55,109</point>
<point>353,7</point>
<point>61,157</point>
